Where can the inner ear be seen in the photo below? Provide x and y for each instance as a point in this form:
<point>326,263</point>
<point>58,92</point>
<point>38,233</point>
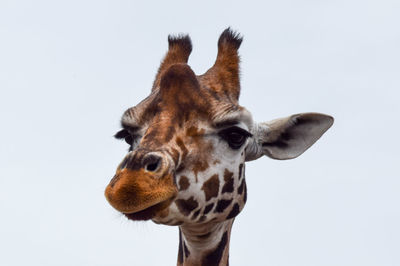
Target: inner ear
<point>289,137</point>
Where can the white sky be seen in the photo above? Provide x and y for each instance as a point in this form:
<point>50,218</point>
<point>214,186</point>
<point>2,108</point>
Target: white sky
<point>68,69</point>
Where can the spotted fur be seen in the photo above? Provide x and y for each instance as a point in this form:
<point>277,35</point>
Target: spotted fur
<point>186,162</point>
<point>211,187</point>
<point>183,183</point>
<point>170,132</point>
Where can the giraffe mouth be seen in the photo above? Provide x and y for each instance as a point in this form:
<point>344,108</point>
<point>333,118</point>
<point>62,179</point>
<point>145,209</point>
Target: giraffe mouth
<point>150,212</point>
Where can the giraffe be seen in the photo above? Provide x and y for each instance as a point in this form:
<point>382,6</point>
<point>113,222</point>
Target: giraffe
<point>188,144</point>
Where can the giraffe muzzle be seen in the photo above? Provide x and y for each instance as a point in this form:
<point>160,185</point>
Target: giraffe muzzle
<point>143,186</point>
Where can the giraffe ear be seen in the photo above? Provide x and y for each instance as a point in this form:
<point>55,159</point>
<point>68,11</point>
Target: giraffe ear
<point>287,138</point>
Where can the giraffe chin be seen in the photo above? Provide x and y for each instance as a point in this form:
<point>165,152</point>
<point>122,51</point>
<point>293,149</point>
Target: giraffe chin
<point>159,209</point>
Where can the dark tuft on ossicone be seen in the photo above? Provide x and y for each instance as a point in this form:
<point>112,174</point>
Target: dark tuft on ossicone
<point>182,41</point>
<point>230,38</point>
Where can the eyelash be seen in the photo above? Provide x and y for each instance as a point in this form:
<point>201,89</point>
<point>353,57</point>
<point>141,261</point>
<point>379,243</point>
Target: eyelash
<point>129,139</point>
<point>235,136</point>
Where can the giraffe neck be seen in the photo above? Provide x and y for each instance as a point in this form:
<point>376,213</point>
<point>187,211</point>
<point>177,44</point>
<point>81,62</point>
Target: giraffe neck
<point>206,244</point>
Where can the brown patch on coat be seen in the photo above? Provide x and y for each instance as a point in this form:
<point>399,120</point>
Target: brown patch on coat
<point>214,257</point>
<point>216,161</point>
<point>175,155</point>
<point>240,170</point>
<point>202,219</point>
<point>199,166</point>
<point>211,187</point>
<point>205,148</point>
<point>228,177</point>
<point>208,208</point>
<point>181,145</point>
<point>196,136</point>
<point>186,206</point>
<point>240,188</point>
<point>234,212</point>
<point>195,214</point>
<point>183,183</point>
<point>180,168</point>
<point>222,205</point>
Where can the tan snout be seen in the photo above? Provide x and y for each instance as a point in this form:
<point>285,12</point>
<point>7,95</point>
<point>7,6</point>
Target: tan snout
<point>135,188</point>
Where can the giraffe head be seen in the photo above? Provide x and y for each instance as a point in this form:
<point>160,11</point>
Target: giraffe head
<point>189,141</point>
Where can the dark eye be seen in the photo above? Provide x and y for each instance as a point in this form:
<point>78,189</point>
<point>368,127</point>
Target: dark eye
<point>124,134</point>
<point>235,136</point>
<point>129,139</point>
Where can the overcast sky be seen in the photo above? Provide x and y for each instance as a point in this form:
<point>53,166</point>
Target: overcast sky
<point>68,70</point>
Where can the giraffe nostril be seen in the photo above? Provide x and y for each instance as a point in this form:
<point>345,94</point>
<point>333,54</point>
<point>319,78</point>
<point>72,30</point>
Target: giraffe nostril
<point>152,167</point>
<point>152,163</point>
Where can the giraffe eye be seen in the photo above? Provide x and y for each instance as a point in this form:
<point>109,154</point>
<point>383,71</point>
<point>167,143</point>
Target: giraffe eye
<point>235,136</point>
<point>129,139</point>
